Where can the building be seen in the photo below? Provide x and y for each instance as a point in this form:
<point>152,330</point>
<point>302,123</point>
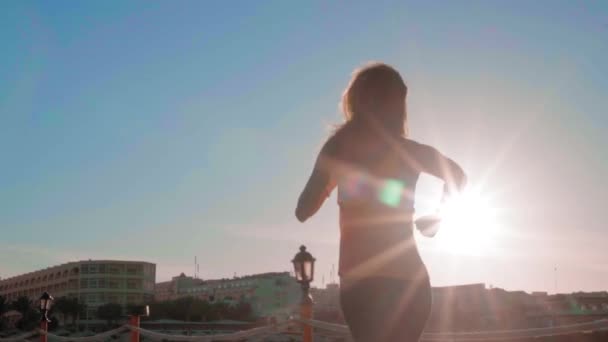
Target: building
<point>270,294</point>
<point>175,288</point>
<point>327,303</point>
<point>93,282</point>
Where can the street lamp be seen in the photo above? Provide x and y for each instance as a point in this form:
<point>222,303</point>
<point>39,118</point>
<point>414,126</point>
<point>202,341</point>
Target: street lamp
<point>46,301</point>
<point>304,267</point>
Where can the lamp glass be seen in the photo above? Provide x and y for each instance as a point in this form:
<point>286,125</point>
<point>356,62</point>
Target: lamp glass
<point>303,264</point>
<point>308,270</point>
<point>46,301</point>
<point>297,266</point>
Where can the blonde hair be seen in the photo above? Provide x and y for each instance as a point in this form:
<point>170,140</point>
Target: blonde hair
<point>370,88</point>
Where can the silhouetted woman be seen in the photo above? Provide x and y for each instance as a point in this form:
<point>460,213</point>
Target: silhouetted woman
<point>385,289</point>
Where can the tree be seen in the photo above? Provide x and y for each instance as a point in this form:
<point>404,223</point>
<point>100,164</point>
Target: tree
<point>22,304</point>
<point>241,311</point>
<point>62,305</point>
<point>76,309</point>
<point>110,312</point>
<point>201,309</point>
<point>30,316</point>
<point>3,305</point>
<point>181,308</point>
<point>69,307</point>
<point>159,310</point>
<point>3,310</point>
<point>219,310</point>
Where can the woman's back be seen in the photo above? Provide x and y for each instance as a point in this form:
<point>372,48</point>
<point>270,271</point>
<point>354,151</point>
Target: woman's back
<point>376,179</point>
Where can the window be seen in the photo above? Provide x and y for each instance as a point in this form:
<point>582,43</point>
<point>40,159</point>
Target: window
<point>115,269</point>
<point>91,313</point>
<point>133,284</point>
<point>91,298</point>
<point>134,269</point>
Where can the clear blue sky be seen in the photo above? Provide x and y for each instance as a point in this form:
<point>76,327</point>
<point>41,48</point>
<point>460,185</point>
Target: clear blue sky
<point>161,130</point>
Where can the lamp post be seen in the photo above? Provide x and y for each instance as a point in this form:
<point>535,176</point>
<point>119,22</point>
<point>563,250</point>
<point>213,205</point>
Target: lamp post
<point>304,267</point>
<point>46,301</point>
<point>135,314</point>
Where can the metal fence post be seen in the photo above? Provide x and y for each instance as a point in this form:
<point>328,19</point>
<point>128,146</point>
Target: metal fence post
<point>44,326</point>
<point>306,313</point>
<point>133,321</point>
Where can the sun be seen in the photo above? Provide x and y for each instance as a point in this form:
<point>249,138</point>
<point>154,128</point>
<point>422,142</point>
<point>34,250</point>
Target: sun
<point>468,224</point>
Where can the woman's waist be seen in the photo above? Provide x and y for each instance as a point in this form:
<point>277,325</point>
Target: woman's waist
<point>375,216</point>
<point>396,261</point>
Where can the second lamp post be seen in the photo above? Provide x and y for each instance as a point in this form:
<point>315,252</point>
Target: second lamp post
<point>304,268</point>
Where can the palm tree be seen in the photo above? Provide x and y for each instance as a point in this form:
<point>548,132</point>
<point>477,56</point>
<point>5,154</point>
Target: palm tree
<point>3,310</point>
<point>75,308</point>
<point>3,305</point>
<point>30,317</point>
<point>62,305</point>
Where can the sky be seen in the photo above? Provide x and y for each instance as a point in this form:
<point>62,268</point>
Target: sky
<point>161,130</point>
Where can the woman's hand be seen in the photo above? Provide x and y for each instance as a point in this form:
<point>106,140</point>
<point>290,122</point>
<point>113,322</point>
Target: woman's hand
<point>428,225</point>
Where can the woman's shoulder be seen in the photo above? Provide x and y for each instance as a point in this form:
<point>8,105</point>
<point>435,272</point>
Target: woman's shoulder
<point>417,150</point>
<point>410,144</point>
<point>338,139</point>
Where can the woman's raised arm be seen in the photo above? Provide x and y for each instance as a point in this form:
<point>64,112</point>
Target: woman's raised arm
<point>436,164</point>
<point>320,184</point>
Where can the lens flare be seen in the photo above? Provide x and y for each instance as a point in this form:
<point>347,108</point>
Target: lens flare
<point>468,224</point>
<point>391,192</point>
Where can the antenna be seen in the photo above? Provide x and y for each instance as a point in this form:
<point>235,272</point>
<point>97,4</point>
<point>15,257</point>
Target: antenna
<point>195,267</point>
<point>555,279</point>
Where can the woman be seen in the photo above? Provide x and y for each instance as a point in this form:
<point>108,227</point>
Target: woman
<point>385,289</point>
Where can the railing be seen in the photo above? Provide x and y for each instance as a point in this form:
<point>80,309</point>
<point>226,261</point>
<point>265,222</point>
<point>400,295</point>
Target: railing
<point>330,330</point>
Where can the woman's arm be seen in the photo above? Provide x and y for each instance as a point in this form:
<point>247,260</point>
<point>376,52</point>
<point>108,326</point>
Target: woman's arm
<point>319,185</point>
<point>434,163</point>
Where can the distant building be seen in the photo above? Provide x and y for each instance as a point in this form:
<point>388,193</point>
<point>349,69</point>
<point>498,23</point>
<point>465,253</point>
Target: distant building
<point>169,290</point>
<point>93,282</point>
<point>270,294</point>
<point>327,303</point>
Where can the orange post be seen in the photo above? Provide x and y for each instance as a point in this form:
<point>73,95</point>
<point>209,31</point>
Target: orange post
<point>44,326</point>
<point>134,321</point>
<point>306,313</point>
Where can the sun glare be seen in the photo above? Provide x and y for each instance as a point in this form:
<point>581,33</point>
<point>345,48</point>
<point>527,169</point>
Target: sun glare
<point>468,224</point>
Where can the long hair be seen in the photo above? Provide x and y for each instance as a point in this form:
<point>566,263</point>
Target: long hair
<point>365,102</point>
